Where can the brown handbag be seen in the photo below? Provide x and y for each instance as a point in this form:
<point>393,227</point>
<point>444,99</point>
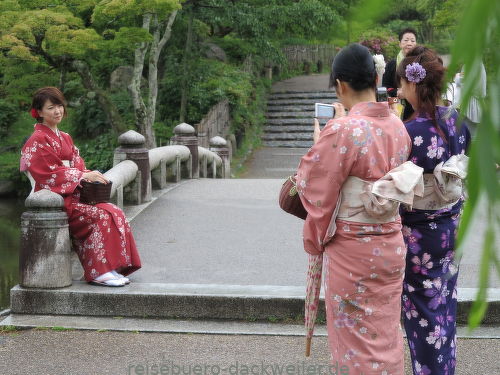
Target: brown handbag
<point>289,199</point>
<point>95,192</point>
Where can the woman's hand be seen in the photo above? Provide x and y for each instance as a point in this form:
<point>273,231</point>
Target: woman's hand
<point>317,131</point>
<point>339,110</point>
<point>95,176</point>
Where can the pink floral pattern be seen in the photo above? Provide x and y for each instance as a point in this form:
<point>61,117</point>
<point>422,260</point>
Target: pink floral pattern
<point>364,263</point>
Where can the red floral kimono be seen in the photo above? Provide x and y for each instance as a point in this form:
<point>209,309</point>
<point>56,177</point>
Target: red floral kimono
<point>101,234</point>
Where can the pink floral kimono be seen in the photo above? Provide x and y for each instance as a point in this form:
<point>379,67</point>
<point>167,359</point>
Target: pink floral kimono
<point>364,256</point>
<point>101,234</point>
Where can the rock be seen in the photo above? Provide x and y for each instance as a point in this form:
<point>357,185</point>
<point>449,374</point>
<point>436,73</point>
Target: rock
<point>121,78</point>
<point>214,52</point>
<point>6,187</point>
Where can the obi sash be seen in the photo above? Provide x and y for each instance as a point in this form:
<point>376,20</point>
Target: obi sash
<point>444,187</point>
<point>377,201</point>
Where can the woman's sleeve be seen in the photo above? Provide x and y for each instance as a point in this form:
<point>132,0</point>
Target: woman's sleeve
<point>40,159</point>
<point>320,176</point>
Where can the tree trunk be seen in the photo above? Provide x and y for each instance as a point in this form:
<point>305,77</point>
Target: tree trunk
<point>108,107</point>
<point>140,109</point>
<point>145,114</point>
<point>185,68</point>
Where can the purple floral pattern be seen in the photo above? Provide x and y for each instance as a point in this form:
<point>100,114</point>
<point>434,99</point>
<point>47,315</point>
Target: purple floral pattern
<point>429,298</point>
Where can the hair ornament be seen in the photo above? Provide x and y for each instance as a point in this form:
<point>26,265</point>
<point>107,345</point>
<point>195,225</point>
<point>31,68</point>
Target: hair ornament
<point>415,72</point>
<point>34,113</point>
<point>379,64</point>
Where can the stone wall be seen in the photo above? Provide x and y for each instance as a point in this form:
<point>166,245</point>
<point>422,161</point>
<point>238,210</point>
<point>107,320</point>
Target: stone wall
<point>215,123</point>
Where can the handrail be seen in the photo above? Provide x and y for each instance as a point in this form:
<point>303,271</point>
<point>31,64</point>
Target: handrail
<point>121,174</point>
<point>168,154</point>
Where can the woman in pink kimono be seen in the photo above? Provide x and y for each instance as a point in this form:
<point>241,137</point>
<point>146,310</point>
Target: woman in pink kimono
<point>101,234</point>
<point>351,182</point>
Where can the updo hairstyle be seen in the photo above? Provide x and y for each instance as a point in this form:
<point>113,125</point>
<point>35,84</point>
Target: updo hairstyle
<point>428,90</point>
<point>354,64</point>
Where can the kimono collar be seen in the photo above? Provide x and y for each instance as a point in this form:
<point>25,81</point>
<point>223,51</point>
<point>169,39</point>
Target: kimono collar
<point>46,129</point>
<point>371,109</point>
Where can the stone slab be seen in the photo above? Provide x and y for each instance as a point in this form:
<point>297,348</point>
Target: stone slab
<point>194,301</point>
<point>214,327</point>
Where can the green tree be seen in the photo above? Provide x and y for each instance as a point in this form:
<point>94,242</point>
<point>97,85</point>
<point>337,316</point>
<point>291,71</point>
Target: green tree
<point>53,33</point>
<point>155,27</point>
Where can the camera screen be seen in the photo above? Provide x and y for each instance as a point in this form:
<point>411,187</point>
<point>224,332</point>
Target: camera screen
<point>324,110</point>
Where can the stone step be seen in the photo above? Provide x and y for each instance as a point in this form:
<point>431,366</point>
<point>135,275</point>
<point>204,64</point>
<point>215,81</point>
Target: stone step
<point>296,114</point>
<point>304,95</point>
<point>288,144</point>
<point>293,121</point>
<point>288,129</point>
<point>284,136</point>
<point>291,102</point>
<point>193,301</point>
<point>291,108</point>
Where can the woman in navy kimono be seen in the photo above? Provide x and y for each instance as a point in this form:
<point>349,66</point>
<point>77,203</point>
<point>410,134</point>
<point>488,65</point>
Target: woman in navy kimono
<point>429,228</point>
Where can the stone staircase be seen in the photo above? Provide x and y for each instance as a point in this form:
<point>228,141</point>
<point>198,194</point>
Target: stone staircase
<point>289,118</point>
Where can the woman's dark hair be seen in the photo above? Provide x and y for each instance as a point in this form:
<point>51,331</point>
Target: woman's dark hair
<point>408,30</point>
<point>48,93</point>
<point>354,64</point>
<point>429,89</point>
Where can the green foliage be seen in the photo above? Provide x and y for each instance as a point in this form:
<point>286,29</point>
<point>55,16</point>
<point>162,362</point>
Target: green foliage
<point>8,114</point>
<point>478,30</point>
<point>380,41</point>
<point>237,49</point>
<point>98,152</point>
<point>89,121</point>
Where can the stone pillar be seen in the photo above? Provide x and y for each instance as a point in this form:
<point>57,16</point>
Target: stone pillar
<point>185,135</point>
<point>45,255</point>
<point>132,148</point>
<point>219,146</point>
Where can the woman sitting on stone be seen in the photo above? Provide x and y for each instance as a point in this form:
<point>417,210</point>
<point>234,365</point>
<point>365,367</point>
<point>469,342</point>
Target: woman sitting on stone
<point>100,233</point>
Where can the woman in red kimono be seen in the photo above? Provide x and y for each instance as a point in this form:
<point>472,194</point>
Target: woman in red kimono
<point>100,233</point>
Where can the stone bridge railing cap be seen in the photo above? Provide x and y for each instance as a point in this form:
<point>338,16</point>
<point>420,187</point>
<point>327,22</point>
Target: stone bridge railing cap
<point>183,129</point>
<point>44,199</point>
<point>131,137</point>
<point>218,141</point>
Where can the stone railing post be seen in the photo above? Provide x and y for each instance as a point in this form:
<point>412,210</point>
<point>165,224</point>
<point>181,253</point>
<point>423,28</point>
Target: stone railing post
<point>45,254</point>
<point>219,146</point>
<point>132,147</point>
<point>185,135</point>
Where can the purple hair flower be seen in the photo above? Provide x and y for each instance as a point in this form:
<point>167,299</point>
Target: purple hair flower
<point>415,72</point>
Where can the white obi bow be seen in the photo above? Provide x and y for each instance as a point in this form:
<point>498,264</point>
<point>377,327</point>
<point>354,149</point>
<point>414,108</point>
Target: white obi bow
<point>444,187</point>
<point>377,202</point>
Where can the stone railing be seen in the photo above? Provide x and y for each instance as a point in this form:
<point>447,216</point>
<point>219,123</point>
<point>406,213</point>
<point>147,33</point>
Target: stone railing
<point>45,256</point>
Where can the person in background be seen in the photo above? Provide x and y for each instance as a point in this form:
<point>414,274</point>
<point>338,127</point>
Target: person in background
<point>438,146</point>
<point>407,41</point>
<point>363,246</point>
<point>473,111</point>
<point>100,233</point>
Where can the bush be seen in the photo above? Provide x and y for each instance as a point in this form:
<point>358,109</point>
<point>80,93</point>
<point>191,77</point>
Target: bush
<point>98,152</point>
<point>8,115</point>
<point>380,41</point>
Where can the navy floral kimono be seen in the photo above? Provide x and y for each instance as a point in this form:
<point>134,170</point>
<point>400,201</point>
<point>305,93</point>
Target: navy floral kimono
<point>429,290</point>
